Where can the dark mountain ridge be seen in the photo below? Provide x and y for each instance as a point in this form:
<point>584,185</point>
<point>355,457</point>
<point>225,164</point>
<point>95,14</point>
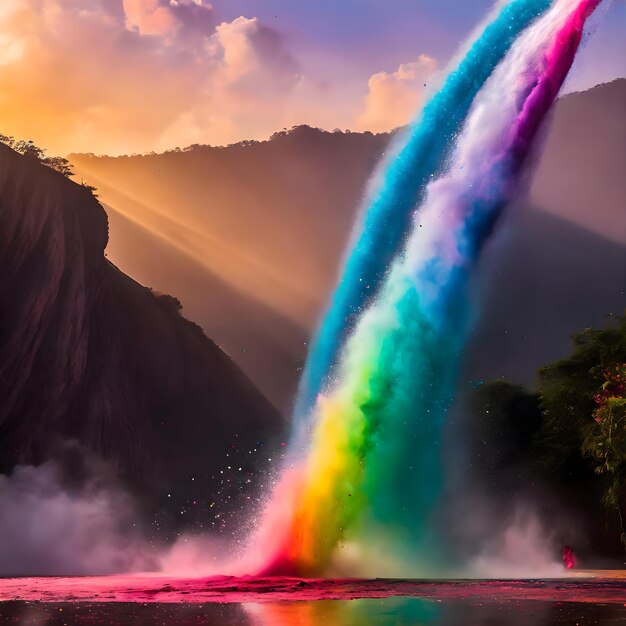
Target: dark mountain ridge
<point>557,266</point>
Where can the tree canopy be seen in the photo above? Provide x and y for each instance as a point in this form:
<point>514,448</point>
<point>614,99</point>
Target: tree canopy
<point>583,401</point>
<point>570,431</point>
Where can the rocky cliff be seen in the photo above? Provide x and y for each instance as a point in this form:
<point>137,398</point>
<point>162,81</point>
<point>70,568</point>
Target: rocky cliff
<point>88,354</point>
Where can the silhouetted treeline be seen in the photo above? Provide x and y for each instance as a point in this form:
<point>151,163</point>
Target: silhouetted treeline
<point>569,433</point>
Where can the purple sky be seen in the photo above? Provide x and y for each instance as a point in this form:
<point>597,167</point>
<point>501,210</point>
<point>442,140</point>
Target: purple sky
<point>166,73</point>
<point>368,36</point>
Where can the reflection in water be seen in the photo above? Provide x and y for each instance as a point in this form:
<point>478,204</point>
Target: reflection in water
<point>388,612</point>
<point>391,611</point>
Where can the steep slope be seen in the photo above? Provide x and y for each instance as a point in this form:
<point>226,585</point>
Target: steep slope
<point>88,354</point>
<point>580,176</point>
<point>542,279</point>
<point>259,338</point>
<point>271,220</point>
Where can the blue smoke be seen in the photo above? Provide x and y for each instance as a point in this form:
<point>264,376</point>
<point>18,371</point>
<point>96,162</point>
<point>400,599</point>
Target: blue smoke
<point>387,219</point>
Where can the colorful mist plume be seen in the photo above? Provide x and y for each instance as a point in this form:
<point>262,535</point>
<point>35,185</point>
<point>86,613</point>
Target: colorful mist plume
<point>401,187</point>
<point>372,472</point>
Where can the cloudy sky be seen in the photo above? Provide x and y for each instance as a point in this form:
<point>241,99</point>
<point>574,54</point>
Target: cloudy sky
<point>122,76</point>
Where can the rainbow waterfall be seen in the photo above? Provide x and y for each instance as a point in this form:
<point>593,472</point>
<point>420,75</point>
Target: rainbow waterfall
<point>365,471</point>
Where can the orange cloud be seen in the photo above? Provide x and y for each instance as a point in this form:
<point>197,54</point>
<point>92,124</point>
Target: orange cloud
<point>121,76</point>
<point>136,75</point>
<point>394,97</point>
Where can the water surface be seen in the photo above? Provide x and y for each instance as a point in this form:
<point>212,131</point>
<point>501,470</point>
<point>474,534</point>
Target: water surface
<point>379,612</point>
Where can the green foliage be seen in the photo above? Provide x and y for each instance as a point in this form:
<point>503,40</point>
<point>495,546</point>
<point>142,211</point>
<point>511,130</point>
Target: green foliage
<point>584,414</point>
<point>571,433</point>
<point>568,390</point>
<point>605,439</point>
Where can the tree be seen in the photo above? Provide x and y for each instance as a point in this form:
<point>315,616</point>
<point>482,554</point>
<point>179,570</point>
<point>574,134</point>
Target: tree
<point>7,140</point>
<point>568,387</point>
<point>605,439</point>
<point>60,165</point>
<point>583,405</point>
<point>168,302</point>
<point>89,188</point>
<point>30,150</point>
<point>570,435</point>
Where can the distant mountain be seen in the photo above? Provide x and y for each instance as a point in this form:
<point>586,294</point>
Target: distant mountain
<point>268,222</point>
<point>542,279</point>
<point>89,355</point>
<point>580,175</point>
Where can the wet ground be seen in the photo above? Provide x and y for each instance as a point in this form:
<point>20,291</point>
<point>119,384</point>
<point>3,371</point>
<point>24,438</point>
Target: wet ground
<point>229,601</point>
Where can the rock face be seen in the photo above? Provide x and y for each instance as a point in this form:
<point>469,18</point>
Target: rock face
<point>271,221</point>
<point>88,354</point>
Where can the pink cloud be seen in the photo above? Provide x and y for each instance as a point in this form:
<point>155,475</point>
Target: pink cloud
<point>149,17</point>
<point>393,98</point>
<point>166,18</point>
